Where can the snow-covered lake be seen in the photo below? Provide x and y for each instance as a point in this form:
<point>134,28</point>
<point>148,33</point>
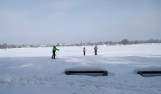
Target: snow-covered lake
<point>32,71</point>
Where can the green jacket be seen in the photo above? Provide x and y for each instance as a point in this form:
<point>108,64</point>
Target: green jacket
<point>54,50</point>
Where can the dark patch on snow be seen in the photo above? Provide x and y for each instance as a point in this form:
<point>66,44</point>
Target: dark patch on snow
<point>86,71</point>
<point>149,73</point>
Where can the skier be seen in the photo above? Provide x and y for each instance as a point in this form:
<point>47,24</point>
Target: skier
<point>95,50</point>
<point>54,52</point>
<point>84,51</point>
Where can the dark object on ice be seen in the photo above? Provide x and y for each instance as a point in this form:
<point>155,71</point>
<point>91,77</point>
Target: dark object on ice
<point>86,71</point>
<point>149,73</point>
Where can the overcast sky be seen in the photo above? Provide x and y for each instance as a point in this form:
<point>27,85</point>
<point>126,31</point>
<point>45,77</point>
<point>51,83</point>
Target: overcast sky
<point>69,21</point>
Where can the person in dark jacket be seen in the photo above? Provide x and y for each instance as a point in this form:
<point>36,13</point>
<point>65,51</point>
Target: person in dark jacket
<point>54,52</point>
<point>84,51</point>
<point>95,50</point>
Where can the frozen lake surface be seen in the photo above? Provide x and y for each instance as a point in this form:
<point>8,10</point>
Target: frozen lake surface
<point>32,71</point>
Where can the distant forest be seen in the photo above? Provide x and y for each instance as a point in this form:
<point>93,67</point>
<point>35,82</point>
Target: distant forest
<point>122,42</point>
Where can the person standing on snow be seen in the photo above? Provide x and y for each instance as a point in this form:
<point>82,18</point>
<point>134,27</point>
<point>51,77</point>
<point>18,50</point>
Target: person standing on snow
<point>54,52</point>
<point>84,51</point>
<point>95,50</point>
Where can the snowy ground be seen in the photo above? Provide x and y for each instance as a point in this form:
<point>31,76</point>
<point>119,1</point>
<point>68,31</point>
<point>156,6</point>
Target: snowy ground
<point>32,71</point>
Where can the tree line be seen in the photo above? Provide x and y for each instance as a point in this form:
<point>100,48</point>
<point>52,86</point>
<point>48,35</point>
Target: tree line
<point>122,42</point>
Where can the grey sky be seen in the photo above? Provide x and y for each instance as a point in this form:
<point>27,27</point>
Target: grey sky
<point>69,21</point>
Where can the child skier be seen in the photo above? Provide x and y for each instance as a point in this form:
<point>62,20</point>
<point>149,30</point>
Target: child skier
<point>84,51</point>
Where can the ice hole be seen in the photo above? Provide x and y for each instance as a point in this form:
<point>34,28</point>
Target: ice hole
<point>149,73</point>
<point>86,71</point>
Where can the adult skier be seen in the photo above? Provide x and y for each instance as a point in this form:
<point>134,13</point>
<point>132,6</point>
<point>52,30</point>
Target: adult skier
<point>54,52</point>
<point>95,50</point>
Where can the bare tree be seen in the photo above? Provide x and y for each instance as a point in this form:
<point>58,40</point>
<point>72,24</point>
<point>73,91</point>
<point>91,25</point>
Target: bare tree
<point>125,41</point>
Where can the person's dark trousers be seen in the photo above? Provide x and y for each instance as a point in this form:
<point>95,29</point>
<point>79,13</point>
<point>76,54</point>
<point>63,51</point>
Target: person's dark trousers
<point>84,53</point>
<point>95,52</point>
<point>53,56</point>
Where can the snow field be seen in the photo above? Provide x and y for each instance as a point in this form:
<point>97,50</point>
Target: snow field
<point>31,70</point>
